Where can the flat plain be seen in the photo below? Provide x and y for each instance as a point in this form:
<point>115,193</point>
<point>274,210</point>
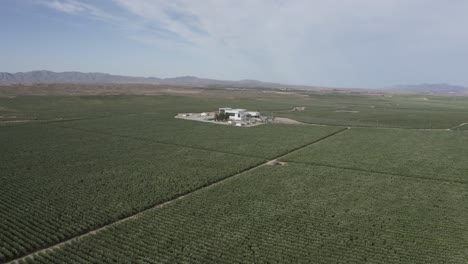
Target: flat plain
<point>367,178</point>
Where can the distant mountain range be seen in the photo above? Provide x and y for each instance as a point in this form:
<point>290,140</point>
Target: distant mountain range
<point>439,88</point>
<point>95,77</point>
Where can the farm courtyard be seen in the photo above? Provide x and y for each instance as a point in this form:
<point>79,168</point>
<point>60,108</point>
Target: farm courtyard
<point>361,178</point>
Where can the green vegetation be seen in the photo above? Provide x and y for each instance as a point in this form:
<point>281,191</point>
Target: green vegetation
<point>73,164</point>
<point>290,214</point>
<point>264,141</point>
<point>58,183</point>
<point>419,153</point>
<point>221,117</point>
<point>382,111</point>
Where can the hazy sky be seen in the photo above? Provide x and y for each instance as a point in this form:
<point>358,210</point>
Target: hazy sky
<point>347,43</point>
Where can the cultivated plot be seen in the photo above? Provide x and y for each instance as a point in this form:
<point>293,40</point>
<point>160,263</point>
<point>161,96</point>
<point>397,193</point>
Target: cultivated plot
<point>381,110</point>
<point>289,214</point>
<point>378,116</point>
<point>57,183</point>
<point>45,108</point>
<point>266,141</point>
<point>438,155</point>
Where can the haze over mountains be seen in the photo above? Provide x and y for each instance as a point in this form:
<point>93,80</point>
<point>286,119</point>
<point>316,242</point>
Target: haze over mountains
<point>437,88</point>
<point>94,77</point>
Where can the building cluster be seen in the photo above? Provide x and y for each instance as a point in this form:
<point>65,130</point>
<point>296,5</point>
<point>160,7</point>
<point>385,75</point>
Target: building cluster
<point>228,116</point>
<point>238,114</point>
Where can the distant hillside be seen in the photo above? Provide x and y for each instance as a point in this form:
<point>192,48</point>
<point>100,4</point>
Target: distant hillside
<point>80,77</point>
<point>69,77</point>
<point>440,88</point>
<point>49,77</point>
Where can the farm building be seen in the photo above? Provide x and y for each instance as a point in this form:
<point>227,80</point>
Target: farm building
<point>237,113</point>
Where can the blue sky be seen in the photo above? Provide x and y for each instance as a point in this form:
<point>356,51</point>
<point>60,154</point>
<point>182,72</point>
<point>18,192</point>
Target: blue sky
<point>345,43</point>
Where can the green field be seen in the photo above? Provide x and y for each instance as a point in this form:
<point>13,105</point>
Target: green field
<point>55,189</point>
<point>383,111</point>
<point>117,178</point>
<point>428,154</point>
<point>259,141</point>
<point>291,214</point>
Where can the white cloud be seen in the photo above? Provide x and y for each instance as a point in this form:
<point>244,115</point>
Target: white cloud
<point>291,40</point>
<point>80,8</point>
<point>70,7</point>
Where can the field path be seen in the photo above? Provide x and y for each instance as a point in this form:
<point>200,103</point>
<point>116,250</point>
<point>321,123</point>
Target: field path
<point>183,196</point>
<point>460,125</point>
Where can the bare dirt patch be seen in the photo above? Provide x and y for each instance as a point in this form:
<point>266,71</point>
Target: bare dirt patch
<point>458,126</point>
<point>15,121</point>
<point>276,163</point>
<point>280,93</point>
<point>346,111</point>
<point>182,91</point>
<point>285,120</point>
<point>299,108</point>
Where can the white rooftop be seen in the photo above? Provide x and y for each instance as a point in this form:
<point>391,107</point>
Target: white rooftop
<point>236,109</point>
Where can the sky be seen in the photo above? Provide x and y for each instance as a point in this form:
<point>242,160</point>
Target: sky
<point>335,43</point>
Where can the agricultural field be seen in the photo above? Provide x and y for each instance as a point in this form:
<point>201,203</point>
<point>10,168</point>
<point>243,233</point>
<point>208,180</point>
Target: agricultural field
<point>55,189</point>
<point>259,141</point>
<point>440,155</point>
<point>383,111</point>
<point>290,214</point>
<point>367,178</point>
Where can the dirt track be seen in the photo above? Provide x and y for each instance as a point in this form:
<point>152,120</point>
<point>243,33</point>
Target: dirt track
<point>284,120</point>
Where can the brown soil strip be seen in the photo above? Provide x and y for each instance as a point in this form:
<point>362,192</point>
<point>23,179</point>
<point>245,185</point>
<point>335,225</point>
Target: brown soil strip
<point>285,120</point>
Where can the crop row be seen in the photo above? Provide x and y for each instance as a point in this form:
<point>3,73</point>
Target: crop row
<point>374,115</point>
<point>265,141</point>
<point>438,155</point>
<point>58,183</point>
<point>292,213</point>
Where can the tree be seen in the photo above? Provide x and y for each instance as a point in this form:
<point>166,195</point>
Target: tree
<point>220,117</point>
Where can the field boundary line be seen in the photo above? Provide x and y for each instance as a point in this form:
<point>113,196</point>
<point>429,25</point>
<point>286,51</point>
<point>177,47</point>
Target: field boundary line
<point>378,127</point>
<point>71,119</point>
<point>458,126</point>
<point>48,121</point>
<point>85,118</point>
<point>163,142</point>
<point>370,126</point>
<point>165,203</point>
<point>374,171</point>
<point>154,141</point>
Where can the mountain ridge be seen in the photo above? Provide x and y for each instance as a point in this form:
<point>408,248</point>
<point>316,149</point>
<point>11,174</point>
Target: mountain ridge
<point>44,76</point>
<point>76,77</point>
<point>431,88</point>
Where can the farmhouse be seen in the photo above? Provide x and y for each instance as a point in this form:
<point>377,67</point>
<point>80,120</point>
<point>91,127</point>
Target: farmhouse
<point>234,114</point>
<point>238,113</point>
<point>230,116</point>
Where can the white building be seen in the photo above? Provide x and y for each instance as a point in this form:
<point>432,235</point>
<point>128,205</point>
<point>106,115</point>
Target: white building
<point>253,114</point>
<point>234,114</point>
<point>238,114</point>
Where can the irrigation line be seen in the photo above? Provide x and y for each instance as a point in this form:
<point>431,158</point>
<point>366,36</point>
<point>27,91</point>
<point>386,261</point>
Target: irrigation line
<point>375,127</point>
<point>71,119</point>
<point>159,205</point>
<point>378,172</point>
<point>155,141</point>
